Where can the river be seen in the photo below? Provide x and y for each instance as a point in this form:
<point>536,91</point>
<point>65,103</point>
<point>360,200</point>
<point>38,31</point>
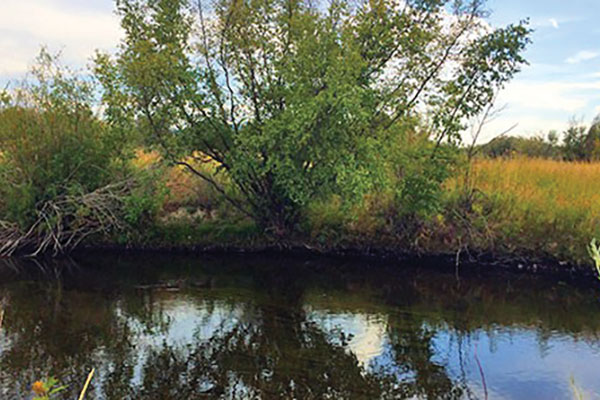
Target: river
<point>270,327</point>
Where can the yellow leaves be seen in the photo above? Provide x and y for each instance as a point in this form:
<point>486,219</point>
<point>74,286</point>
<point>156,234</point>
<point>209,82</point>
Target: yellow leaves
<point>144,159</point>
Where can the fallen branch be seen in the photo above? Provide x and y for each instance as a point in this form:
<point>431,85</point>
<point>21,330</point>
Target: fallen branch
<point>62,223</point>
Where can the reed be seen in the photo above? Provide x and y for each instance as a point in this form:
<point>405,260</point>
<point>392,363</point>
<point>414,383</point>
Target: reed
<point>595,254</point>
<point>87,384</point>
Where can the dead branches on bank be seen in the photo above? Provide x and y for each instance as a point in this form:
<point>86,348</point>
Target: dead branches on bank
<point>62,223</point>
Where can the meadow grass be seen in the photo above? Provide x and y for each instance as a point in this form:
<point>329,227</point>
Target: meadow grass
<point>539,205</point>
<point>522,206</point>
<point>549,185</point>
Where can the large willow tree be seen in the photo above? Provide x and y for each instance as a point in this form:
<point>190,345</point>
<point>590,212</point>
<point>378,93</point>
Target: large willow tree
<point>295,99</point>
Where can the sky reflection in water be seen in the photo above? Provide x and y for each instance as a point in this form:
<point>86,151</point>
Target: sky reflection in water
<point>260,327</point>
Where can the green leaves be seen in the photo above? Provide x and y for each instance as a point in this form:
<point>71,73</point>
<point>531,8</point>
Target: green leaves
<point>50,140</point>
<point>299,100</point>
<point>47,389</point>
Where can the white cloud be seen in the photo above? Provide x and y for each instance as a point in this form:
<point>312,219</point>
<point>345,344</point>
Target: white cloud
<point>26,25</point>
<point>539,106</point>
<point>551,96</point>
<point>584,55</point>
<point>553,22</point>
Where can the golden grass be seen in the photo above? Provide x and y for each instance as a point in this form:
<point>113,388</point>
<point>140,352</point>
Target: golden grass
<point>542,182</point>
<point>539,205</point>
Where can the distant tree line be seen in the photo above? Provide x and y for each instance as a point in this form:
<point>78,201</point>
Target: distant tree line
<point>579,143</point>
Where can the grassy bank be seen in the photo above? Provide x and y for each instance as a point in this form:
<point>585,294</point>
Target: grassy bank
<point>537,206</point>
<point>517,208</point>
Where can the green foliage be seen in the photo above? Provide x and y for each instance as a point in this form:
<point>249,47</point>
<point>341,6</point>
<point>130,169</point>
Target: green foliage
<point>146,200</point>
<point>419,171</point>
<point>47,389</point>
<point>580,143</point>
<point>51,143</point>
<point>65,173</point>
<point>536,147</point>
<point>592,140</point>
<point>297,100</point>
<point>327,220</point>
<point>211,234</point>
<point>575,138</point>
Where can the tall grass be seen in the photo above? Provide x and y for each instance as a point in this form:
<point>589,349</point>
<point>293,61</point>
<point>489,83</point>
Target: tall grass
<point>539,205</point>
<point>549,185</point>
<point>521,205</point>
<point>594,250</point>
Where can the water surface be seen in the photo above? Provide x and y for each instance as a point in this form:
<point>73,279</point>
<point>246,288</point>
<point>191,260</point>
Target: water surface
<point>259,327</point>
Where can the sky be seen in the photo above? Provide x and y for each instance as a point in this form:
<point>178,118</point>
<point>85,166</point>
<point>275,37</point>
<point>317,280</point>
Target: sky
<point>562,80</point>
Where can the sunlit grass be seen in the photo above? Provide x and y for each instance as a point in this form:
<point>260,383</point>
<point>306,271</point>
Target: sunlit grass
<point>545,183</point>
<point>594,250</point>
<point>540,205</point>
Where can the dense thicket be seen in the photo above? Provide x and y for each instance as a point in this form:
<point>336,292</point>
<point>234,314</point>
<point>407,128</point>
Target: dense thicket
<point>63,172</point>
<point>295,100</point>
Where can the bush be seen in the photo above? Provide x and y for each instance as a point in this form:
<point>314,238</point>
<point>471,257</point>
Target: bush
<point>537,147</point>
<point>51,142</point>
<point>62,170</point>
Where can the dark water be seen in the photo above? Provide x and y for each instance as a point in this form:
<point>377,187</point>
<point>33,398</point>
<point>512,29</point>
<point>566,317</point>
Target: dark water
<point>270,327</point>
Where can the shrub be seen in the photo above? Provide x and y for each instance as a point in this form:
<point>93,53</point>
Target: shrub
<point>64,173</point>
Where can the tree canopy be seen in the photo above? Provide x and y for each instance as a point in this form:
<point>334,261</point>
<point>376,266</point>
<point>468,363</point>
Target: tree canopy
<point>297,99</point>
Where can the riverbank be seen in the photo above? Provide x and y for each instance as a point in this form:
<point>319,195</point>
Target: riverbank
<point>226,241</point>
<point>524,215</point>
<point>521,214</point>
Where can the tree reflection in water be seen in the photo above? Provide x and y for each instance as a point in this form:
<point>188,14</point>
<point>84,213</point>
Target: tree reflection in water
<point>239,329</point>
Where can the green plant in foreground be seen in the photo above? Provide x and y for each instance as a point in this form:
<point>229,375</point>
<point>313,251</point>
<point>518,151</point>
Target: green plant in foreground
<point>594,250</point>
<point>45,390</point>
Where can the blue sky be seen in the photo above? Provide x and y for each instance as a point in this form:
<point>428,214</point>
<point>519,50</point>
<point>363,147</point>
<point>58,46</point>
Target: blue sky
<point>562,80</point>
